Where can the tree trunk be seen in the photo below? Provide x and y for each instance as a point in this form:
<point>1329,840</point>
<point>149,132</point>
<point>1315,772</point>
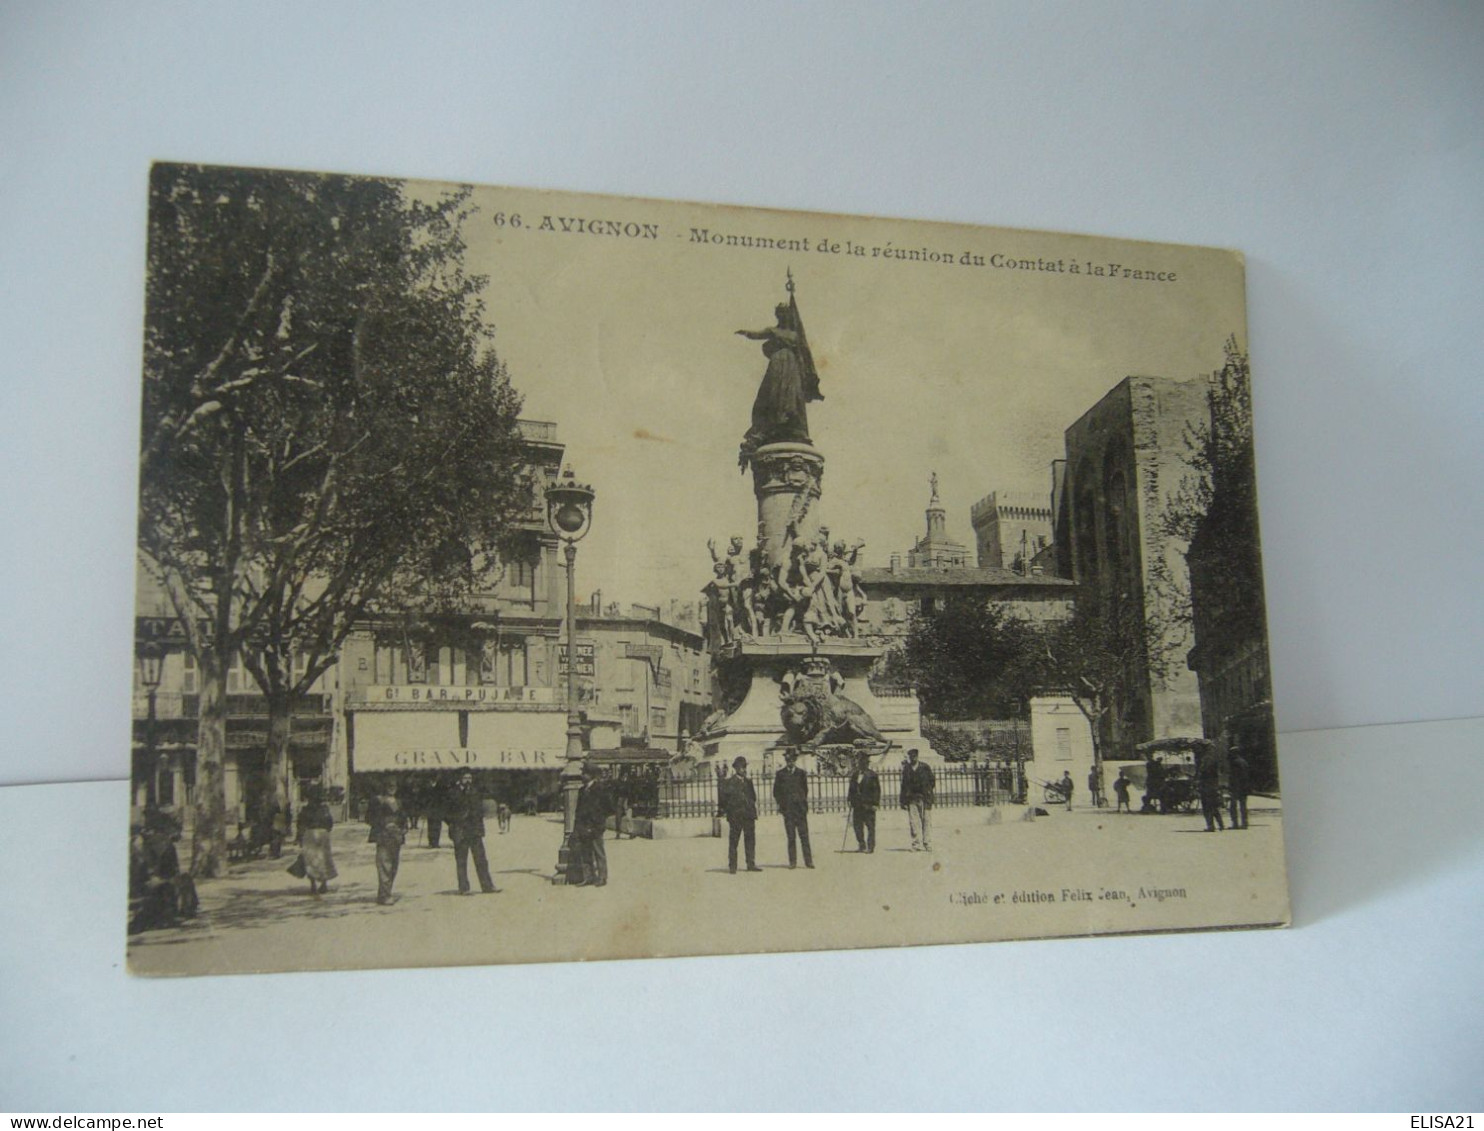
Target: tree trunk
<point>276,761</point>
<point>209,837</point>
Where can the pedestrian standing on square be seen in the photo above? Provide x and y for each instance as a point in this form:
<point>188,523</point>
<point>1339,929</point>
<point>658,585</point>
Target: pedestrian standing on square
<point>737,800</point>
<point>1237,784</point>
<point>388,821</point>
<point>433,802</point>
<point>791,792</point>
<point>1208,779</point>
<point>1095,787</point>
<point>466,828</point>
<point>1066,787</point>
<point>1120,791</point>
<point>315,823</point>
<point>864,798</point>
<point>589,823</point>
<point>918,785</point>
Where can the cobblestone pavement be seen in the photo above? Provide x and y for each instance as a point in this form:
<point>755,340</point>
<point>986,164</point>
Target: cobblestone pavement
<point>991,875</point>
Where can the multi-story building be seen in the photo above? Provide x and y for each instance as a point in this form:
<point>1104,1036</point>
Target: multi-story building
<point>479,688</point>
<point>893,594</point>
<point>163,764</point>
<point>643,672</point>
<point>1125,461</point>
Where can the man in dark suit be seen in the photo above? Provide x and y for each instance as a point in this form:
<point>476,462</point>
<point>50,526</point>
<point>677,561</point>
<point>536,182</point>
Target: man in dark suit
<point>738,802</point>
<point>918,786</point>
<point>864,798</point>
<point>1237,778</point>
<point>466,826</point>
<point>791,792</point>
<point>588,855</point>
<point>1208,782</point>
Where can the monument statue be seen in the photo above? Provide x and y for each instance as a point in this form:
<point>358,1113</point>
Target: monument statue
<point>789,612</point>
<point>780,410</point>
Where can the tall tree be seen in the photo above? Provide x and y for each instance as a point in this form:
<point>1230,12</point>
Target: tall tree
<point>1101,656</point>
<point>1215,510</point>
<point>969,659</point>
<point>325,423</point>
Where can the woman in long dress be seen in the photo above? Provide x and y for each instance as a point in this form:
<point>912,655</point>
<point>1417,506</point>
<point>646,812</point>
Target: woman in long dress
<point>315,823</point>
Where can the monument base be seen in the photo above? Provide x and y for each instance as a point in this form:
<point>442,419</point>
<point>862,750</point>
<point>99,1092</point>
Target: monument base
<point>759,672</point>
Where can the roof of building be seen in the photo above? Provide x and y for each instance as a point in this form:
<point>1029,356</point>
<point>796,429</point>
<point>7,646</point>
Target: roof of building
<point>658,625</point>
<point>986,576</point>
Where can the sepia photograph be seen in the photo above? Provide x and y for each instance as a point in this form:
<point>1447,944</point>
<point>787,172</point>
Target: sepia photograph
<point>526,576</point>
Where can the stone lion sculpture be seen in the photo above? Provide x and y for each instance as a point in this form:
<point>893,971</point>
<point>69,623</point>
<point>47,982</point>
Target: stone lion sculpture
<point>814,715</point>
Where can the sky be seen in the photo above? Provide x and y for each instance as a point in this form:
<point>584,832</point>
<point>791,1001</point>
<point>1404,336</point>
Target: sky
<point>970,370</point>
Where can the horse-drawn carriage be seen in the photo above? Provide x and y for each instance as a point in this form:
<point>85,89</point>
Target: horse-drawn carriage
<point>1171,772</point>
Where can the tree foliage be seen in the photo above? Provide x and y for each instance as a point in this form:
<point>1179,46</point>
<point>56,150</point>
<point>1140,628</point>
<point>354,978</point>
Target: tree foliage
<point>1102,656</point>
<point>325,422</point>
<point>1215,510</point>
<point>969,660</point>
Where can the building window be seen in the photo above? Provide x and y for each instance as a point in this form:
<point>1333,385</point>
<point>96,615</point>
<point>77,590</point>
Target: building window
<point>188,676</point>
<point>513,664</point>
<point>1063,744</point>
<point>626,718</point>
<point>237,678</point>
<point>658,718</point>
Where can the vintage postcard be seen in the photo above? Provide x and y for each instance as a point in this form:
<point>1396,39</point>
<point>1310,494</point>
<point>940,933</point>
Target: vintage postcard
<point>529,576</point>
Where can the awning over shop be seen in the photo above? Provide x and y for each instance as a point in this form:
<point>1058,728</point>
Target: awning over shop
<point>631,756</point>
<point>424,740</point>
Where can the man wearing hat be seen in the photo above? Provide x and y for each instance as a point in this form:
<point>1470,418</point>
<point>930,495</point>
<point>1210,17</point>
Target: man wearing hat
<point>918,786</point>
<point>466,827</point>
<point>864,798</point>
<point>791,792</point>
<point>738,801</point>
<point>590,819</point>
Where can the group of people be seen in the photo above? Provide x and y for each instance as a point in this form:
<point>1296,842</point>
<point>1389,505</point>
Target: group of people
<point>737,801</point>
<point>1208,779</point>
<point>813,589</point>
<point>1208,788</point>
<point>464,814</point>
<point>160,893</point>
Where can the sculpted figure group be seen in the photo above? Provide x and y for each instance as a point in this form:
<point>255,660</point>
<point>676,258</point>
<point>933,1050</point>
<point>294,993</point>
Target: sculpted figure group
<point>813,589</point>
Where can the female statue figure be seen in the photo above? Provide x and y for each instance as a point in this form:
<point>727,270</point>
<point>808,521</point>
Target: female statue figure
<point>780,410</point>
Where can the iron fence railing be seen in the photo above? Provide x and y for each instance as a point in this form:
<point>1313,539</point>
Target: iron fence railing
<point>955,786</point>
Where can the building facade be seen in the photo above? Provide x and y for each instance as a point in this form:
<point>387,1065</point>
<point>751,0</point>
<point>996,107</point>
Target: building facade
<point>1125,461</point>
<point>937,568</point>
<point>165,717</point>
<point>644,673</point>
<point>1012,529</point>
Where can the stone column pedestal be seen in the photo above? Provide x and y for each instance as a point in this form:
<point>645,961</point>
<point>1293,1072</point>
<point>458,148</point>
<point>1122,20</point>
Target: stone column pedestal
<point>786,479</point>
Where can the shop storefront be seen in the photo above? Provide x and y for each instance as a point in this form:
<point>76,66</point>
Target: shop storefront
<point>514,749</point>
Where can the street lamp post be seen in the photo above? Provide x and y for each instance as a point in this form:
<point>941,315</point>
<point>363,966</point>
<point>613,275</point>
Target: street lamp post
<point>151,667</point>
<point>569,513</point>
